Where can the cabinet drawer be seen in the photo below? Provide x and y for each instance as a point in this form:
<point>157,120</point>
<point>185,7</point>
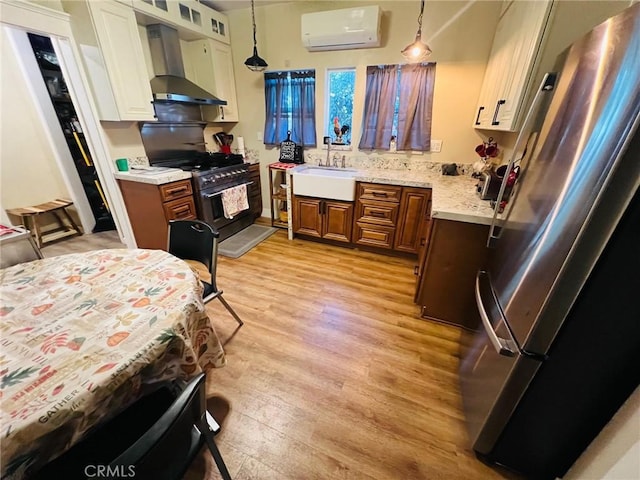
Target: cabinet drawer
<point>173,190</point>
<point>374,191</point>
<point>373,235</point>
<point>254,169</point>
<point>378,213</point>
<point>182,208</point>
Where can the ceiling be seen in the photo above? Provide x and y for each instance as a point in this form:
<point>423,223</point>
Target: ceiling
<point>226,5</point>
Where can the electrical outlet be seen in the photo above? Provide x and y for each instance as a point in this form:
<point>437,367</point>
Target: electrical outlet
<point>259,135</point>
<point>436,146</point>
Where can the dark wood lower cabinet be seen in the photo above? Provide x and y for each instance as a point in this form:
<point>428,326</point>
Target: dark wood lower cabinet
<point>415,205</point>
<point>150,207</point>
<point>255,190</point>
<point>307,217</point>
<point>320,218</point>
<point>446,284</point>
<point>391,216</point>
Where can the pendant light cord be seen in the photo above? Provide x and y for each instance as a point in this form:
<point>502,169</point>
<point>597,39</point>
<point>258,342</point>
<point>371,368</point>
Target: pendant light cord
<point>419,18</point>
<point>253,20</point>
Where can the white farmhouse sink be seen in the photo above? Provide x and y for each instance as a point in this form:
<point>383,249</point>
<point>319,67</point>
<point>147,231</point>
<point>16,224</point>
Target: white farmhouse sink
<point>332,183</point>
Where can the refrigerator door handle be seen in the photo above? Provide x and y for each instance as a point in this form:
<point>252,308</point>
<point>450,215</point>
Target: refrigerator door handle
<point>547,85</point>
<point>503,346</point>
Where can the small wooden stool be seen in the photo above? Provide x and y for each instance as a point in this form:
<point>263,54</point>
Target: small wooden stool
<point>30,217</point>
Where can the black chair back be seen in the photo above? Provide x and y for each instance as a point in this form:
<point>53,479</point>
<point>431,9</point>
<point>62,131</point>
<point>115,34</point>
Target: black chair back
<point>156,438</point>
<point>193,240</point>
<point>196,240</point>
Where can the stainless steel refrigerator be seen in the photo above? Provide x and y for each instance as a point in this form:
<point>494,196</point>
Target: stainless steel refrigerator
<point>559,351</point>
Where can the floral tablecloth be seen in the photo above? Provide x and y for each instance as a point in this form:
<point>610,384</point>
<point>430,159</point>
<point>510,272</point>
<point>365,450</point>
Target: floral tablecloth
<point>83,335</point>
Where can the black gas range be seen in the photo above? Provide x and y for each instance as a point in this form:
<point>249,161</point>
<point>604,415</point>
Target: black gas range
<point>210,170</point>
<point>219,172</point>
<point>211,175</point>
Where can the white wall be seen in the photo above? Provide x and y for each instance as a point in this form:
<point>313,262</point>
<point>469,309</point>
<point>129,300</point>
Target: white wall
<point>460,51</point>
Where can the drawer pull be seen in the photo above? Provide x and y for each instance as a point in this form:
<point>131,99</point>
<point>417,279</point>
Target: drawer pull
<point>172,191</point>
<point>379,194</point>
<point>184,208</point>
<point>377,214</point>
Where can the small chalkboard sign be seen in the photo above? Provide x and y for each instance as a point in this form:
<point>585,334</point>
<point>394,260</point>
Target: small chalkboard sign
<point>287,149</point>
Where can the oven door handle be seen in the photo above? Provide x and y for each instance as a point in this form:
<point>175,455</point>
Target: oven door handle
<point>211,195</point>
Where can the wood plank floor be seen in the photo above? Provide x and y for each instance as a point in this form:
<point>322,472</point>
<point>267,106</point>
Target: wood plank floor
<point>333,375</point>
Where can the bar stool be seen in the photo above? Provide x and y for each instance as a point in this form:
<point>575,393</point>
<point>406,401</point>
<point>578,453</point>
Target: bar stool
<point>30,217</point>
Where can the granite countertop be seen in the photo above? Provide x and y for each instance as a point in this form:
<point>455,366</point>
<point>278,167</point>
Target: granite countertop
<point>153,175</point>
<point>453,197</point>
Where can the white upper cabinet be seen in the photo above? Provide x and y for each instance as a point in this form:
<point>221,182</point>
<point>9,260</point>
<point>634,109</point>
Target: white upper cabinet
<point>107,34</point>
<point>215,25</point>
<point>190,15</point>
<point>160,10</point>
<point>191,18</point>
<point>516,46</point>
<point>209,64</point>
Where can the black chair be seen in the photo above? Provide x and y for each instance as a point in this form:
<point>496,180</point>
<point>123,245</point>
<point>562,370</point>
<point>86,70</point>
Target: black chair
<point>157,438</point>
<point>198,241</point>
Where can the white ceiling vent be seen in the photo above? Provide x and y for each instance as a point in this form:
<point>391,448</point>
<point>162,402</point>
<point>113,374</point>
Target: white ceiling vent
<point>343,29</point>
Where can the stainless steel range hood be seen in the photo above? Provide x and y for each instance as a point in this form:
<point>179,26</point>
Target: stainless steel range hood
<point>169,84</point>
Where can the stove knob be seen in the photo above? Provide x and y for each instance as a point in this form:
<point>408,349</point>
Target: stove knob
<point>217,176</point>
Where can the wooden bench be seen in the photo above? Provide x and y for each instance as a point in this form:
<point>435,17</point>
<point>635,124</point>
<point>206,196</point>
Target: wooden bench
<point>31,216</point>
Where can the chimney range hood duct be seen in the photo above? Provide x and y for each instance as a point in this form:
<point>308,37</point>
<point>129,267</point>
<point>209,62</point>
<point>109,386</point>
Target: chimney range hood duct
<point>169,83</point>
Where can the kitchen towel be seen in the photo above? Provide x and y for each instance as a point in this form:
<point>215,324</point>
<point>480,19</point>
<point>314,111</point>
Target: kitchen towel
<point>234,200</point>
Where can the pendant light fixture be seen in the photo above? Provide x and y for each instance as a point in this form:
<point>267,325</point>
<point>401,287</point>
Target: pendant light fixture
<point>254,62</point>
<point>418,50</point>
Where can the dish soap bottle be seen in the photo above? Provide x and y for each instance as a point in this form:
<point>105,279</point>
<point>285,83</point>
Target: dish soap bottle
<point>392,144</point>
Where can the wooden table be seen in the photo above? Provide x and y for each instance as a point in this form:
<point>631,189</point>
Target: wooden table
<point>84,335</point>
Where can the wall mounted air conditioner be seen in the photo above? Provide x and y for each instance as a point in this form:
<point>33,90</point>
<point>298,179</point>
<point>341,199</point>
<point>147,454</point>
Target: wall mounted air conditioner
<point>343,29</point>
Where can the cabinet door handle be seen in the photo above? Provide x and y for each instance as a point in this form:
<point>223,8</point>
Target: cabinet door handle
<point>171,191</point>
<point>182,212</point>
<point>222,112</point>
<point>423,242</point>
<point>415,270</point>
<point>478,116</point>
<point>495,114</point>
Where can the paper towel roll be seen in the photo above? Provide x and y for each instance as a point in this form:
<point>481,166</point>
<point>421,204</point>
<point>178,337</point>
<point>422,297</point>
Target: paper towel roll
<point>241,146</point>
